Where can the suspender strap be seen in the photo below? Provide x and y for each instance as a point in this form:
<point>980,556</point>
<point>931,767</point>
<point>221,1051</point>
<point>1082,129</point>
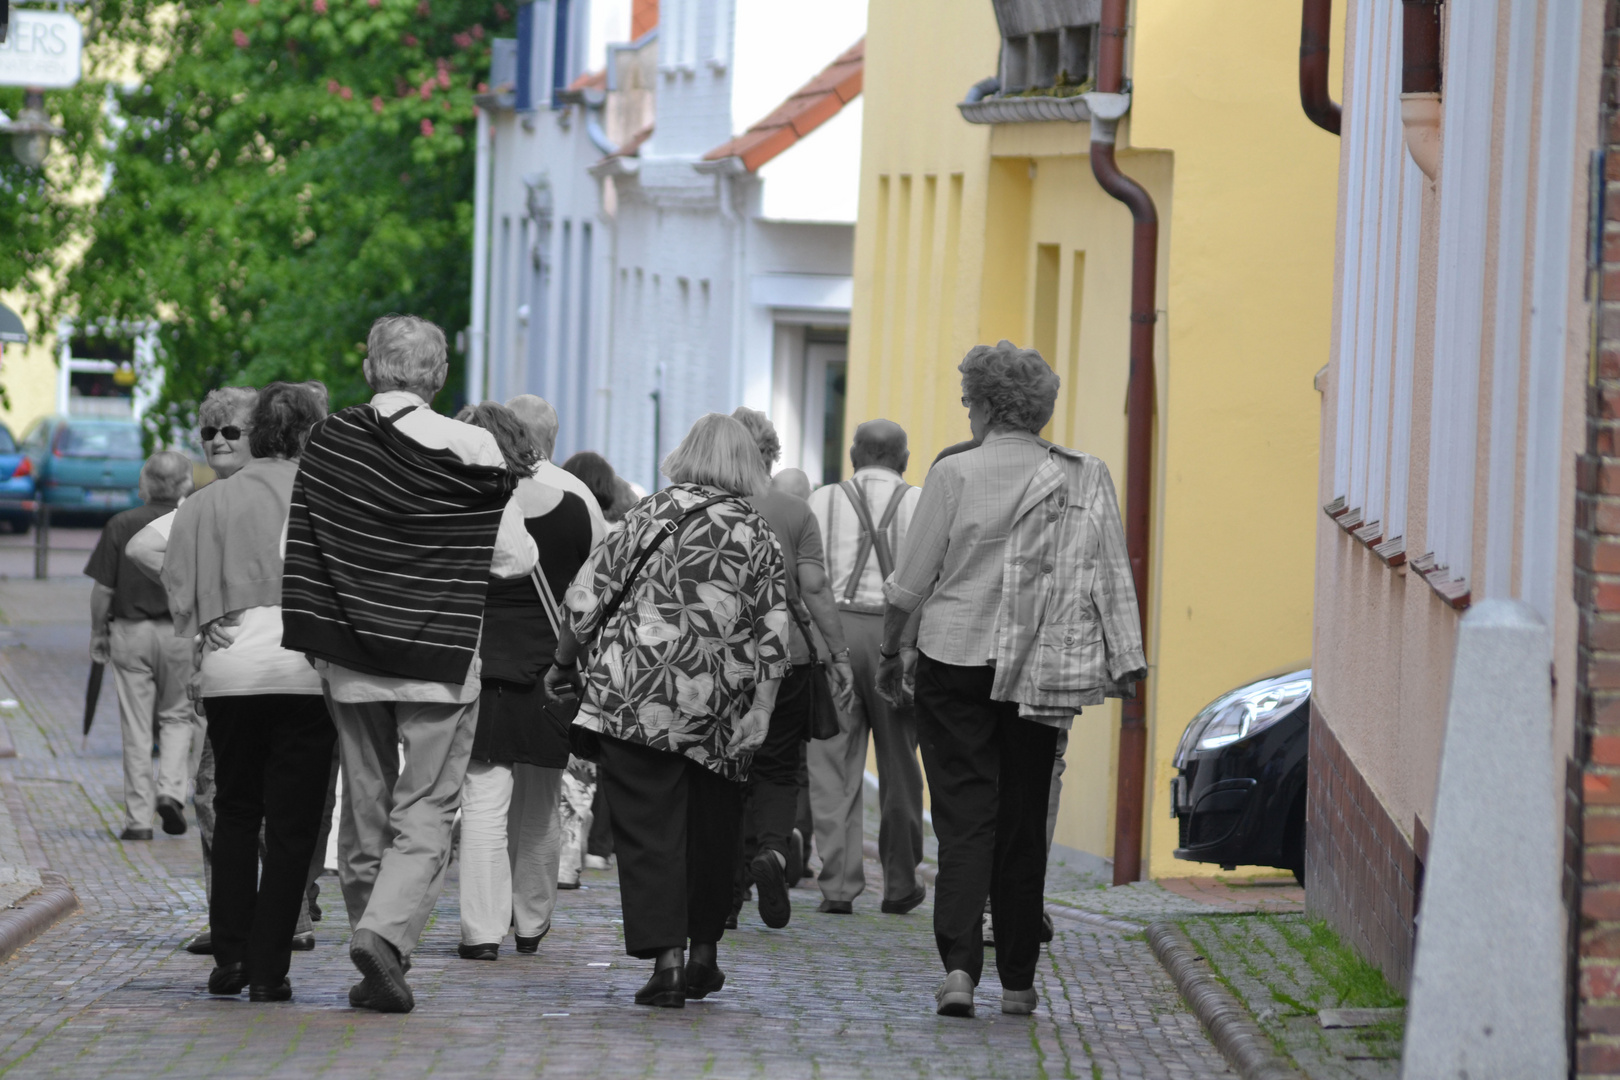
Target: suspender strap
<point>873,537</point>
<point>667,529</point>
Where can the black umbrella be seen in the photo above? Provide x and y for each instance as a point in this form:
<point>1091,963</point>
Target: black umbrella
<point>92,694</point>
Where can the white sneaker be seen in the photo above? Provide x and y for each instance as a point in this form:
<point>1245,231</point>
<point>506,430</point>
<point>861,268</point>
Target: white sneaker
<point>1019,1002</point>
<point>955,995</point>
<point>596,862</point>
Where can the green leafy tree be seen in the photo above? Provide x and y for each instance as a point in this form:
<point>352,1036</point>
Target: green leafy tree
<point>278,174</point>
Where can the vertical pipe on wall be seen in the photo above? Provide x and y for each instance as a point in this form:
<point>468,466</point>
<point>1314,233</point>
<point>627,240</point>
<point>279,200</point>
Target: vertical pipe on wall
<point>1315,27</point>
<point>1139,429</point>
<point>477,337</point>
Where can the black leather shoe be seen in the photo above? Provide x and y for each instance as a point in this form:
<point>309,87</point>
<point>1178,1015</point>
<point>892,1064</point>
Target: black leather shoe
<point>379,962</point>
<point>304,942</point>
<point>702,980</point>
<point>836,907</point>
<point>665,990</point>
<point>173,815</point>
<point>202,944</point>
<point>530,945</point>
<point>1048,931</point>
<point>227,980</point>
<point>900,907</point>
<point>282,992</point>
<point>363,995</point>
<point>774,907</point>
<point>479,952</point>
<point>731,920</point>
<point>135,834</point>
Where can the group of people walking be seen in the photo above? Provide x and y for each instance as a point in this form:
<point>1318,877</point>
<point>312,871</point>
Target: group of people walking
<point>431,610</point>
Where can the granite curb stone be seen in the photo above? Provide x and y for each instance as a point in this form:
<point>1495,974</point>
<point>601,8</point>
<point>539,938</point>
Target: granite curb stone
<point>1226,1019</point>
<point>36,912</point>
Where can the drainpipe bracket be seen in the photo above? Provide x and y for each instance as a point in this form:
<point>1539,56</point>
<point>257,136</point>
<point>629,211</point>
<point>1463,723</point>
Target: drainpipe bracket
<point>1107,107</point>
<point>1422,116</point>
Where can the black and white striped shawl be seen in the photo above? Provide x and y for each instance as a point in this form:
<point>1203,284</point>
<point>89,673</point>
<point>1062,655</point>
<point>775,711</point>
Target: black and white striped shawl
<point>389,546</point>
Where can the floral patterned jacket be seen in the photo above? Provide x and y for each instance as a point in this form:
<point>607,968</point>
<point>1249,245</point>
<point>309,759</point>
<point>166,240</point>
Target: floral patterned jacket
<point>706,620</point>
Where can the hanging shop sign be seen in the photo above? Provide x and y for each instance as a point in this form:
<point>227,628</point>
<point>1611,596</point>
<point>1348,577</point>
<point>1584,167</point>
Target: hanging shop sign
<point>43,50</point>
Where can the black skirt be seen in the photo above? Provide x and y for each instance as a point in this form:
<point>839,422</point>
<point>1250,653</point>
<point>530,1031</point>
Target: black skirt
<point>516,726</point>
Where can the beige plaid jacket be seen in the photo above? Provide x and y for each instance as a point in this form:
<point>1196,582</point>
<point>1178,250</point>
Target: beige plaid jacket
<point>1068,632</point>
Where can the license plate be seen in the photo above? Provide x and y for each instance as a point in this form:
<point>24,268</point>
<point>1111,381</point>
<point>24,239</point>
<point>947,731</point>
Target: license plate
<point>106,497</point>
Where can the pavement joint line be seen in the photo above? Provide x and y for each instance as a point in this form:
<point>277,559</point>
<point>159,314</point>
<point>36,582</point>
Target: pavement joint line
<point>1233,1030</point>
<point>1107,922</point>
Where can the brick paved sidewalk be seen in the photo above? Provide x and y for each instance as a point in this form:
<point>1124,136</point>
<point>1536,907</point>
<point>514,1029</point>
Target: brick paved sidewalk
<point>110,992</point>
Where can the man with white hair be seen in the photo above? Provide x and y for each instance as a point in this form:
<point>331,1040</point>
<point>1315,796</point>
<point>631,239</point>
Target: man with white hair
<point>541,420</point>
<point>399,517</point>
<point>130,627</point>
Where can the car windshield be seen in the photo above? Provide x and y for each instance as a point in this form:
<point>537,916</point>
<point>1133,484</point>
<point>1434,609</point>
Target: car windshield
<point>100,441</point>
<point>7,444</point>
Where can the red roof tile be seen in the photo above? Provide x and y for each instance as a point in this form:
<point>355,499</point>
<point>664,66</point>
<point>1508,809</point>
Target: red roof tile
<point>812,105</point>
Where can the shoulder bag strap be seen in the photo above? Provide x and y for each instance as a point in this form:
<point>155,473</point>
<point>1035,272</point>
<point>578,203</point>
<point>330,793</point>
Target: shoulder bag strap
<point>793,602</point>
<point>548,600</point>
<point>668,528</point>
<point>863,550</point>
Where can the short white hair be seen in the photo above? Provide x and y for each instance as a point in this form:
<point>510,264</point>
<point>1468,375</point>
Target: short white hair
<point>404,352</point>
<point>718,452</point>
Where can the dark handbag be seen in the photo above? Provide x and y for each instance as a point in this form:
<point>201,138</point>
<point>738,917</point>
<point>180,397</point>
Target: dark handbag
<point>583,742</point>
<point>823,705</point>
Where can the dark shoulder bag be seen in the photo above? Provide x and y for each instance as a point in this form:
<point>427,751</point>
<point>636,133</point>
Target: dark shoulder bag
<point>582,742</point>
<point>823,706</point>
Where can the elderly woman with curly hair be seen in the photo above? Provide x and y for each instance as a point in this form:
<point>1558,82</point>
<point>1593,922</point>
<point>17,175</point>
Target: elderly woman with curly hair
<point>1016,558</point>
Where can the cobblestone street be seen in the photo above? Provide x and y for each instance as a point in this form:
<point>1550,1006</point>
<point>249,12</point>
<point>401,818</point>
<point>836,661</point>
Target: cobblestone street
<point>110,992</point>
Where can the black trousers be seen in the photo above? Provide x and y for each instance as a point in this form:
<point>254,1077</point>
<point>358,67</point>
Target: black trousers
<point>675,827</point>
<point>272,760</point>
<point>989,774</point>
<point>773,775</point>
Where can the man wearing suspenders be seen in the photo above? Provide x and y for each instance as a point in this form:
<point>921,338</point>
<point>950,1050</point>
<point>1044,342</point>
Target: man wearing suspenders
<point>863,523</point>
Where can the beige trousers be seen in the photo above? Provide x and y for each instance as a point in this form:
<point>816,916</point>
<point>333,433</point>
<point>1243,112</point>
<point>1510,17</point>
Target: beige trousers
<point>150,669</point>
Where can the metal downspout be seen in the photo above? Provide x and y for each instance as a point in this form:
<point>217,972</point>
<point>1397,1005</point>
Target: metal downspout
<point>1315,28</point>
<point>477,350</point>
<point>1108,105</point>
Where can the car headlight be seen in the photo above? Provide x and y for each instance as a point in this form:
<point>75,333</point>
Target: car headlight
<point>1252,710</point>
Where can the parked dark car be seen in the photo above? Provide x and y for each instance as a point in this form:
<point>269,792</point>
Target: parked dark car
<point>89,467</point>
<point>16,484</point>
<point>1240,790</point>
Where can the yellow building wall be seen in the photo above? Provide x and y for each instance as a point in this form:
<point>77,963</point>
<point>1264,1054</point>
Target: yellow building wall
<point>970,233</point>
<point>28,372</point>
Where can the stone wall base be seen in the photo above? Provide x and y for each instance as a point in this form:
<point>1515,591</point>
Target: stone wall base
<point>1361,873</point>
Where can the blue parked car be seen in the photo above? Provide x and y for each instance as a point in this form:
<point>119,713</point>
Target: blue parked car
<point>16,484</point>
<point>92,467</point>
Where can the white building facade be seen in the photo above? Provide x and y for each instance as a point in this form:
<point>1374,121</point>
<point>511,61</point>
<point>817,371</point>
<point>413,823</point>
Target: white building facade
<point>673,235</point>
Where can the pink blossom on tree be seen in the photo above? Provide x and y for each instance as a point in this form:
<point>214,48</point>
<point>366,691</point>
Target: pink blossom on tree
<point>332,86</point>
<point>427,128</point>
<point>346,94</point>
<point>409,39</point>
<point>377,104</point>
<point>239,38</point>
<point>320,7</point>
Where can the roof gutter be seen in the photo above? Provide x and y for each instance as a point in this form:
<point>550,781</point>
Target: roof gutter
<point>1108,105</point>
<point>1315,27</point>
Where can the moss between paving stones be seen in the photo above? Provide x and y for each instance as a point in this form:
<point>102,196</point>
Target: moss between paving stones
<point>1285,968</point>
